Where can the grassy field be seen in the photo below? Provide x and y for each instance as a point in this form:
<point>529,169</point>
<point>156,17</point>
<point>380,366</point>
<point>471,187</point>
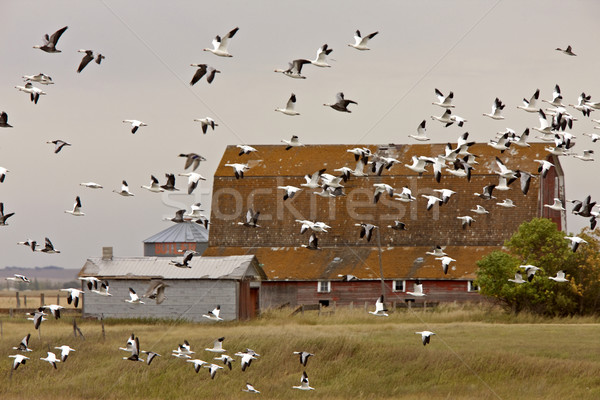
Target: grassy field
<point>8,298</point>
<point>476,354</point>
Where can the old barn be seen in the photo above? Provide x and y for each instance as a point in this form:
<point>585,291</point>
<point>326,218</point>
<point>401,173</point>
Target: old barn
<point>296,275</point>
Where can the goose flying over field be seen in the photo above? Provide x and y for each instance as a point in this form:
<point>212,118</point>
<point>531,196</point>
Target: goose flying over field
<point>246,359</point>
<point>187,257</point>
<point>76,211</point>
<point>382,188</point>
<point>518,278</point>
<point>560,277</point>
<point>217,346</point>
<point>250,389</point>
<point>156,290</point>
<point>425,336</point>
<point>446,194</point>
<point>103,290</point>
<point>522,140</point>
<point>205,123</point>
<point>487,192</point>
<point>135,351</point>
<point>501,144</point>
<point>531,105</point>
<point>405,196</point>
<point>154,186</point>
<point>220,44</point>
<point>213,368</point>
<point>568,51</point>
<point>40,78</point>
<point>34,92</point>
<point>4,217</point>
<point>88,57</point>
<point>64,352</point>
<point>544,167</point>
<point>227,360</point>
<point>193,180</point>
<point>51,358</point>
<point>19,359</point>
<point>170,184</point>
<point>366,230</point>
<point>192,160</point>
<point>418,164</point>
<point>556,98</point>
<point>586,156</point>
<point>214,314</point>
<point>341,104</point>
<point>497,108</point>
<point>444,101</point>
<point>238,169</point>
<point>4,120</point>
<point>48,248</point>
<point>417,289</point>
<point>53,308</point>
<point>294,69</point>
<point>313,243</point>
<point>445,263</point>
<point>530,270</point>
<point>508,203</point>
<point>19,277</point>
<point>290,191</point>
<point>133,298</point>
<point>151,355</point>
<point>202,70</point>
<point>304,384</point>
<point>135,124</point>
<point>245,149</point>
<point>420,136</point>
<point>398,226</point>
<point>37,317</point>
<point>24,345</point>
<point>431,201</point>
<point>124,190</point>
<point>321,54</point>
<point>293,142</point>
<point>312,181</point>
<point>466,221</point>
<point>303,355</point>
<point>50,42</point>
<point>91,185</point>
<point>380,309</point>
<point>445,118</point>
<point>556,206</point>
<point>58,145</point>
<point>360,42</point>
<point>184,349</point>
<point>251,219</point>
<point>593,136</point>
<point>73,296</point>
<point>289,107</point>
<point>575,242</point>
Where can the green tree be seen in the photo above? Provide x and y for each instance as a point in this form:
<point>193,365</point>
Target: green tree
<point>538,242</point>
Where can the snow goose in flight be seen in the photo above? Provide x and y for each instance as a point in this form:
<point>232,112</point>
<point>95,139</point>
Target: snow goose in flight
<point>154,186</point>
<point>91,185</point>
<point>501,144</point>
<point>360,42</point>
<point>76,211</point>
<point>34,92</point>
<point>294,68</point>
<point>51,358</point>
<point>133,297</point>
<point>312,181</point>
<point>245,149</point>
<point>380,309</point>
<point>50,42</point>
<point>103,291</point>
<point>366,230</point>
<point>556,98</point>
<point>446,194</point>
<point>4,217</point>
<point>444,101</point>
<point>196,211</point>
<point>382,188</point>
<point>184,349</point>
<point>544,167</point>
<point>461,169</point>
<point>418,164</point>
<point>156,290</point>
<point>220,44</point>
<point>497,108</point>
<point>89,56</point>
<point>531,104</point>
<point>293,142</point>
<point>238,169</point>
<point>193,180</point>
<point>73,296</point>
<point>205,123</point>
<point>303,355</point>
<point>19,359</point>
<point>530,270</point>
<point>37,317</point>
<point>313,243</point>
<point>58,145</point>
<point>202,70</point>
<point>251,219</point>
<point>135,124</point>
<point>556,206</point>
<point>135,351</point>
<point>487,192</point>
<point>24,345</point>
<point>466,221</point>
<point>246,359</point>
<point>341,104</point>
<point>583,105</point>
<point>315,226</point>
<point>304,384</point>
<point>560,277</point>
<point>192,160</point>
<point>290,191</point>
<point>250,389</point>
<point>227,360</point>
<point>522,142</point>
<point>518,278</point>
<point>575,242</point>
<point>187,257</point>
<point>417,289</point>
<point>321,54</point>
<point>19,277</point>
<point>593,136</point>
<point>4,120</point>
<point>214,314</point>
<point>568,51</point>
<point>503,183</point>
<point>504,171</point>
<point>64,352</point>
<point>431,201</point>
<point>217,346</point>
<point>360,152</point>
<point>151,356</point>
<point>508,203</point>
<point>48,248</point>
<point>398,226</point>
<point>420,136</point>
<point>446,118</point>
<point>405,196</point>
<point>425,336</point>
<point>289,107</point>
<point>213,368</point>
<point>40,78</point>
<point>53,308</point>
<point>586,156</point>
<point>170,184</point>
<point>124,190</point>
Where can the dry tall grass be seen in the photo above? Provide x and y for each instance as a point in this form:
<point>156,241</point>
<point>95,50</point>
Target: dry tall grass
<point>477,353</point>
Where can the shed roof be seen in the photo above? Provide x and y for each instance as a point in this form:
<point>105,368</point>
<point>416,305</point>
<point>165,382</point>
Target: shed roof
<point>405,262</point>
<point>274,160</point>
<point>222,267</point>
<point>184,232</point>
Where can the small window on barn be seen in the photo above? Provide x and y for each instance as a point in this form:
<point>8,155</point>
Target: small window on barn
<point>472,286</point>
<point>324,286</point>
<point>399,286</point>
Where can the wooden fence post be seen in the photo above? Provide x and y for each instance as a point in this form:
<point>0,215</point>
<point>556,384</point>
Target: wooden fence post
<point>25,300</point>
<point>42,300</point>
<point>102,321</point>
<point>18,300</point>
<point>352,305</point>
<point>58,299</point>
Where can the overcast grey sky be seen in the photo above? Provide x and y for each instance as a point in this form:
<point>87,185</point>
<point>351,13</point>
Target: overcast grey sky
<point>478,49</point>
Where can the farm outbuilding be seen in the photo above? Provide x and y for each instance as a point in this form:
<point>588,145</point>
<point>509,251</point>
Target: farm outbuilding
<point>176,239</point>
<point>296,275</point>
<point>232,282</point>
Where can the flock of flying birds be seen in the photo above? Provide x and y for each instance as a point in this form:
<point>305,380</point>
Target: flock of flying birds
<point>456,161</point>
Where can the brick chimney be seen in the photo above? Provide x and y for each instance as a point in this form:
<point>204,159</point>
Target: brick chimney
<point>107,253</point>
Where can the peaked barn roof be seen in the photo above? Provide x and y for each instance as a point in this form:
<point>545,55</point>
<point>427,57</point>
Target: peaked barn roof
<point>183,232</point>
